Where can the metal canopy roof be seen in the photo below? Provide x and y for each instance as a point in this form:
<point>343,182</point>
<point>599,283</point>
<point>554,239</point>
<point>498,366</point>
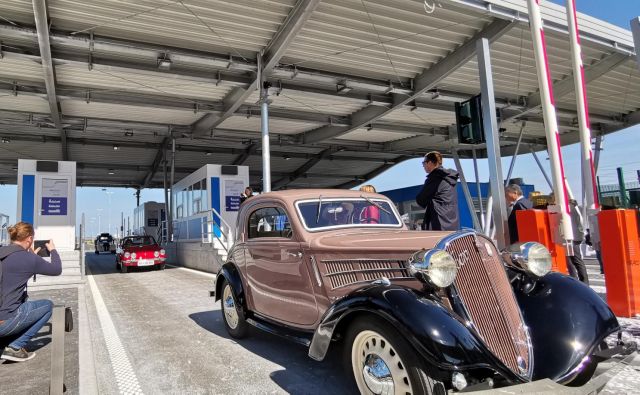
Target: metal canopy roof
<point>358,85</point>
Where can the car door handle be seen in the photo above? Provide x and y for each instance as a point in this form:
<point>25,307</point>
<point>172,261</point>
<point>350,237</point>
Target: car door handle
<point>295,255</point>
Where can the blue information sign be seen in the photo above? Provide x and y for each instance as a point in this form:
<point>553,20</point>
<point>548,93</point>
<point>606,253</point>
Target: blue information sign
<point>54,206</point>
<point>232,203</point>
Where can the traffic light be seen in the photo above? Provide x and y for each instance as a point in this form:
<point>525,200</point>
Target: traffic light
<point>469,121</point>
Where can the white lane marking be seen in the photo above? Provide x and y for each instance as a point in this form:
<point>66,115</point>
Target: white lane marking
<point>122,369</point>
<point>210,275</point>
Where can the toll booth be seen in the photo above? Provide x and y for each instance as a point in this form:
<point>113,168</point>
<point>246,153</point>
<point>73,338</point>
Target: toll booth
<point>47,199</point>
<point>149,219</point>
<point>205,208</point>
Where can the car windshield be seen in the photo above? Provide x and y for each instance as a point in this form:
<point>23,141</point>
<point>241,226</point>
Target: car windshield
<point>348,212</point>
<point>138,241</point>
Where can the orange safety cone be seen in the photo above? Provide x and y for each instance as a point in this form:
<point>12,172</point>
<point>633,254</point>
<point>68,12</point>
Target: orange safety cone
<point>620,250</point>
<point>533,225</point>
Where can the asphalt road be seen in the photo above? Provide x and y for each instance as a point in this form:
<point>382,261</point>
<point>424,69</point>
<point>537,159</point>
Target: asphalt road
<point>174,339</point>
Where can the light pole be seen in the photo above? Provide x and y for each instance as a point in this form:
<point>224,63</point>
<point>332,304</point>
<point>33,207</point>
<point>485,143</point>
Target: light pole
<point>99,220</point>
<point>109,193</point>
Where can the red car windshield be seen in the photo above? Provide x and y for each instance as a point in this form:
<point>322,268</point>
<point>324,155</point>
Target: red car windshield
<point>138,241</point>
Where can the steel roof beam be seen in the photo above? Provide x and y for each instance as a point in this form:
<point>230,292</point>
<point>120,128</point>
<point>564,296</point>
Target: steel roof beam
<point>198,105</point>
<point>156,163</point>
<point>250,150</point>
<point>379,170</point>
<point>18,135</point>
<point>565,86</point>
<point>273,52</point>
<point>422,83</point>
<point>42,28</point>
<point>302,170</point>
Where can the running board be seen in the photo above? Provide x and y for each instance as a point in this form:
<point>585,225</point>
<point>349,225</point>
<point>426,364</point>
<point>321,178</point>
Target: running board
<point>290,335</point>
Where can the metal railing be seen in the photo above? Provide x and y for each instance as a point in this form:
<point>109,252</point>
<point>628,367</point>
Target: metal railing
<point>214,227</point>
<point>164,232</point>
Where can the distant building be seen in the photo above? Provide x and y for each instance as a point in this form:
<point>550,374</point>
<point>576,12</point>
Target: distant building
<point>405,200</point>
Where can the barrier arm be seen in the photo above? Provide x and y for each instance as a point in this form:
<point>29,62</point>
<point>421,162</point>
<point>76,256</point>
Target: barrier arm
<point>550,125</point>
<point>586,154</point>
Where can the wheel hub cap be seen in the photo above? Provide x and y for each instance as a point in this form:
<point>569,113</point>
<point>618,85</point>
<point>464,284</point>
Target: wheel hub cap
<point>377,375</point>
<point>229,308</point>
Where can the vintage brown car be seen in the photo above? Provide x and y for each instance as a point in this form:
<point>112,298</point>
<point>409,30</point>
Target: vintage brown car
<point>416,312</point>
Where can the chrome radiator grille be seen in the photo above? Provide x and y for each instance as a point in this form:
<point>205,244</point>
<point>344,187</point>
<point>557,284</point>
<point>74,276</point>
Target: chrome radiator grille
<point>486,293</point>
<point>343,272</point>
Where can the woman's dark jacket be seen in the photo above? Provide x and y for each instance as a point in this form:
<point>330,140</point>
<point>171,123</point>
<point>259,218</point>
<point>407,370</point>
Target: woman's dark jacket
<point>440,199</point>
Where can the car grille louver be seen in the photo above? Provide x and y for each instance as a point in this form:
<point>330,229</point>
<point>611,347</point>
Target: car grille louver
<point>489,303</point>
<point>344,272</point>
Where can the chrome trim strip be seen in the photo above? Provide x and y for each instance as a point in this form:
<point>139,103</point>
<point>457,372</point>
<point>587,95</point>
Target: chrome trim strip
<point>316,272</point>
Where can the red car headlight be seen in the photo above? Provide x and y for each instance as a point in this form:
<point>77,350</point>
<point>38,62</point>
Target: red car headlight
<point>127,255</point>
<point>156,253</point>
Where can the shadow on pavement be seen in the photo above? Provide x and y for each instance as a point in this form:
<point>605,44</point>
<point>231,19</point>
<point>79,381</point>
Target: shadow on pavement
<point>301,374</point>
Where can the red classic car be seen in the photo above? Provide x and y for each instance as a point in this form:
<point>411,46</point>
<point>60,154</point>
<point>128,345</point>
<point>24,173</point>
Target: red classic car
<point>139,251</point>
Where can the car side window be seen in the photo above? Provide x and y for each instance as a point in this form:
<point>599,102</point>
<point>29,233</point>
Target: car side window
<point>269,222</point>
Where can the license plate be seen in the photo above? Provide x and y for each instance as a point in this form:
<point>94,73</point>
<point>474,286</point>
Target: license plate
<point>145,262</point>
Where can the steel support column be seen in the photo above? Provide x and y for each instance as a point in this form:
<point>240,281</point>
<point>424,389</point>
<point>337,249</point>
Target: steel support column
<point>515,155</point>
<point>544,172</point>
<point>172,198</point>
<point>490,124</point>
<point>478,188</point>
<point>465,190</point>
<point>266,153</point>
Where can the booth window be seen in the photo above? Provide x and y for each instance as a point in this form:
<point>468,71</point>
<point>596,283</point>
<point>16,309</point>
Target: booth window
<point>269,222</point>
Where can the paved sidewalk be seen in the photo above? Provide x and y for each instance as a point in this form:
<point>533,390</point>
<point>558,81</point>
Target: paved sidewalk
<point>32,377</point>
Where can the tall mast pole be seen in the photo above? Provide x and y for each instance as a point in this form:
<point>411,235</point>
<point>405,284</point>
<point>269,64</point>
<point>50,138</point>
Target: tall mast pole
<point>550,122</point>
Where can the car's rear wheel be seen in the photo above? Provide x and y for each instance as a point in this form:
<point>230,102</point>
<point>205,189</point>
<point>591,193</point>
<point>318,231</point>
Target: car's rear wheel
<point>382,362</point>
<point>232,314</point>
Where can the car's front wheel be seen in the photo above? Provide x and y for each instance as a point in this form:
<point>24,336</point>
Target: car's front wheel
<point>123,268</point>
<point>383,362</point>
<point>232,314</point>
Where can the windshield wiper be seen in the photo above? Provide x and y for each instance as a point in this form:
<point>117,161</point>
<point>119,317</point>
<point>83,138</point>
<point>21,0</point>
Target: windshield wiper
<point>319,208</point>
<point>376,204</point>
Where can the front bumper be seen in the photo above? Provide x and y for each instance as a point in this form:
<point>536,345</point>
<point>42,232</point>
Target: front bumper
<point>135,263</point>
<point>614,361</point>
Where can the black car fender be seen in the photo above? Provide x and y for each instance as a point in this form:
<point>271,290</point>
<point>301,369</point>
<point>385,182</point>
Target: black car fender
<point>437,334</point>
<point>567,321</point>
<point>230,272</point>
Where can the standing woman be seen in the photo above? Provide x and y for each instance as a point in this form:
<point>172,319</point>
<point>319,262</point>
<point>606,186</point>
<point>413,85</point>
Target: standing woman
<point>20,319</point>
<point>438,196</point>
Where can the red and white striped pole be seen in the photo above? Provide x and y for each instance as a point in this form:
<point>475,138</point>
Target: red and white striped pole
<point>588,171</point>
<point>550,121</point>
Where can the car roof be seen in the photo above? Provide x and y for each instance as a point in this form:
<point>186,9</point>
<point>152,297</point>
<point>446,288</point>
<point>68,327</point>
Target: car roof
<point>300,194</point>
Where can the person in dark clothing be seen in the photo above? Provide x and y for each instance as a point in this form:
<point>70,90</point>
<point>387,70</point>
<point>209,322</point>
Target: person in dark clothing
<point>438,195</point>
<point>575,264</point>
<point>248,192</point>
<point>516,201</point>
<point>20,319</point>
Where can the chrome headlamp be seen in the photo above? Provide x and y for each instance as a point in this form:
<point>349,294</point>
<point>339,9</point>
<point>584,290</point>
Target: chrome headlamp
<point>438,266</point>
<point>533,257</point>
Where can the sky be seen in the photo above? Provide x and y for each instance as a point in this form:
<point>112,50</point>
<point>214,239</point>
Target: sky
<point>102,209</point>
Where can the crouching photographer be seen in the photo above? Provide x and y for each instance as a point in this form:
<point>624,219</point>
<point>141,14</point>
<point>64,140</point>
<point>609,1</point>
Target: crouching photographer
<point>21,319</point>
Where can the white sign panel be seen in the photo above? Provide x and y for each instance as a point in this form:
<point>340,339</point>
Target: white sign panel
<point>54,196</point>
<point>232,191</point>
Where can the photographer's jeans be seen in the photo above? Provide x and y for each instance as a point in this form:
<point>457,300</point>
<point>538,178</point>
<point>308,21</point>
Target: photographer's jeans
<point>26,322</point>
